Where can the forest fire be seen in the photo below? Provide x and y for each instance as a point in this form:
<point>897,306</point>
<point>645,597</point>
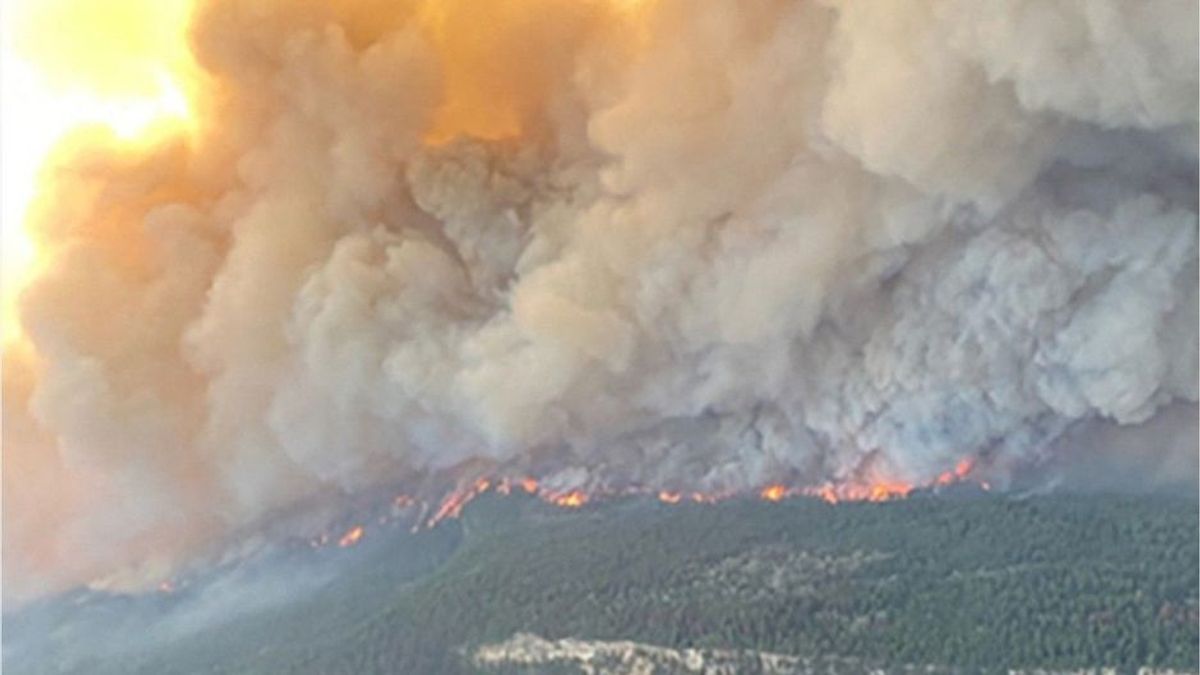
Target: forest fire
<point>635,248</point>
<point>451,506</point>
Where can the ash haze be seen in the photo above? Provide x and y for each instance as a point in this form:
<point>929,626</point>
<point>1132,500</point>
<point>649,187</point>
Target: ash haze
<point>685,244</point>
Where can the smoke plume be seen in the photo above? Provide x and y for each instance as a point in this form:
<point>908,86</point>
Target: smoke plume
<point>690,244</point>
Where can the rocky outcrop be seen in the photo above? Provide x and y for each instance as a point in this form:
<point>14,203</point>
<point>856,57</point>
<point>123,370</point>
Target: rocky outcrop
<point>624,657</point>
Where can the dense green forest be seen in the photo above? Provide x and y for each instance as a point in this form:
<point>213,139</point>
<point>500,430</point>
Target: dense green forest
<point>975,584</point>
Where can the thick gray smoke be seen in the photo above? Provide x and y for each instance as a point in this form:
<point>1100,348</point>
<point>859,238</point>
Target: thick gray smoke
<point>684,243</point>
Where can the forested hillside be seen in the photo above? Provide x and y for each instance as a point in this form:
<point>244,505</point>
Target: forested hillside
<point>975,583</point>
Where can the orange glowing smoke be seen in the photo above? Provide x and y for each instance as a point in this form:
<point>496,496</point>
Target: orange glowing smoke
<point>492,90</point>
<point>125,67</point>
<point>119,66</point>
<point>351,537</point>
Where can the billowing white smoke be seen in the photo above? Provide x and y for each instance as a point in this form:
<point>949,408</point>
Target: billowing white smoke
<point>716,243</point>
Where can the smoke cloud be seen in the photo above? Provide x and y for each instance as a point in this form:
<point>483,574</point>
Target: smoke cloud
<point>686,243</point>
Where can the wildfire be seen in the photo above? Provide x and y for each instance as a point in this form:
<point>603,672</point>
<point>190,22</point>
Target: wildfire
<point>452,504</point>
<point>352,536</point>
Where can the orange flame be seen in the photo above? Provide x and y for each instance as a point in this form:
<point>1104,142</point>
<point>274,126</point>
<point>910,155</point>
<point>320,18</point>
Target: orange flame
<point>773,493</point>
<point>960,471</point>
<point>451,506</point>
<point>572,500</point>
<point>351,537</point>
<point>879,491</point>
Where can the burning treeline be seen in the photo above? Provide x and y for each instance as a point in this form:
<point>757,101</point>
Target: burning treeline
<point>422,515</point>
<point>696,246</point>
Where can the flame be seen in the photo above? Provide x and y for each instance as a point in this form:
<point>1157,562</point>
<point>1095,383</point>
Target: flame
<point>884,491</point>
<point>351,537</point>
<point>451,507</point>
<point>452,504</point>
<point>960,471</point>
<point>122,66</point>
<point>572,500</point>
<point>877,491</point>
<point>773,493</point>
